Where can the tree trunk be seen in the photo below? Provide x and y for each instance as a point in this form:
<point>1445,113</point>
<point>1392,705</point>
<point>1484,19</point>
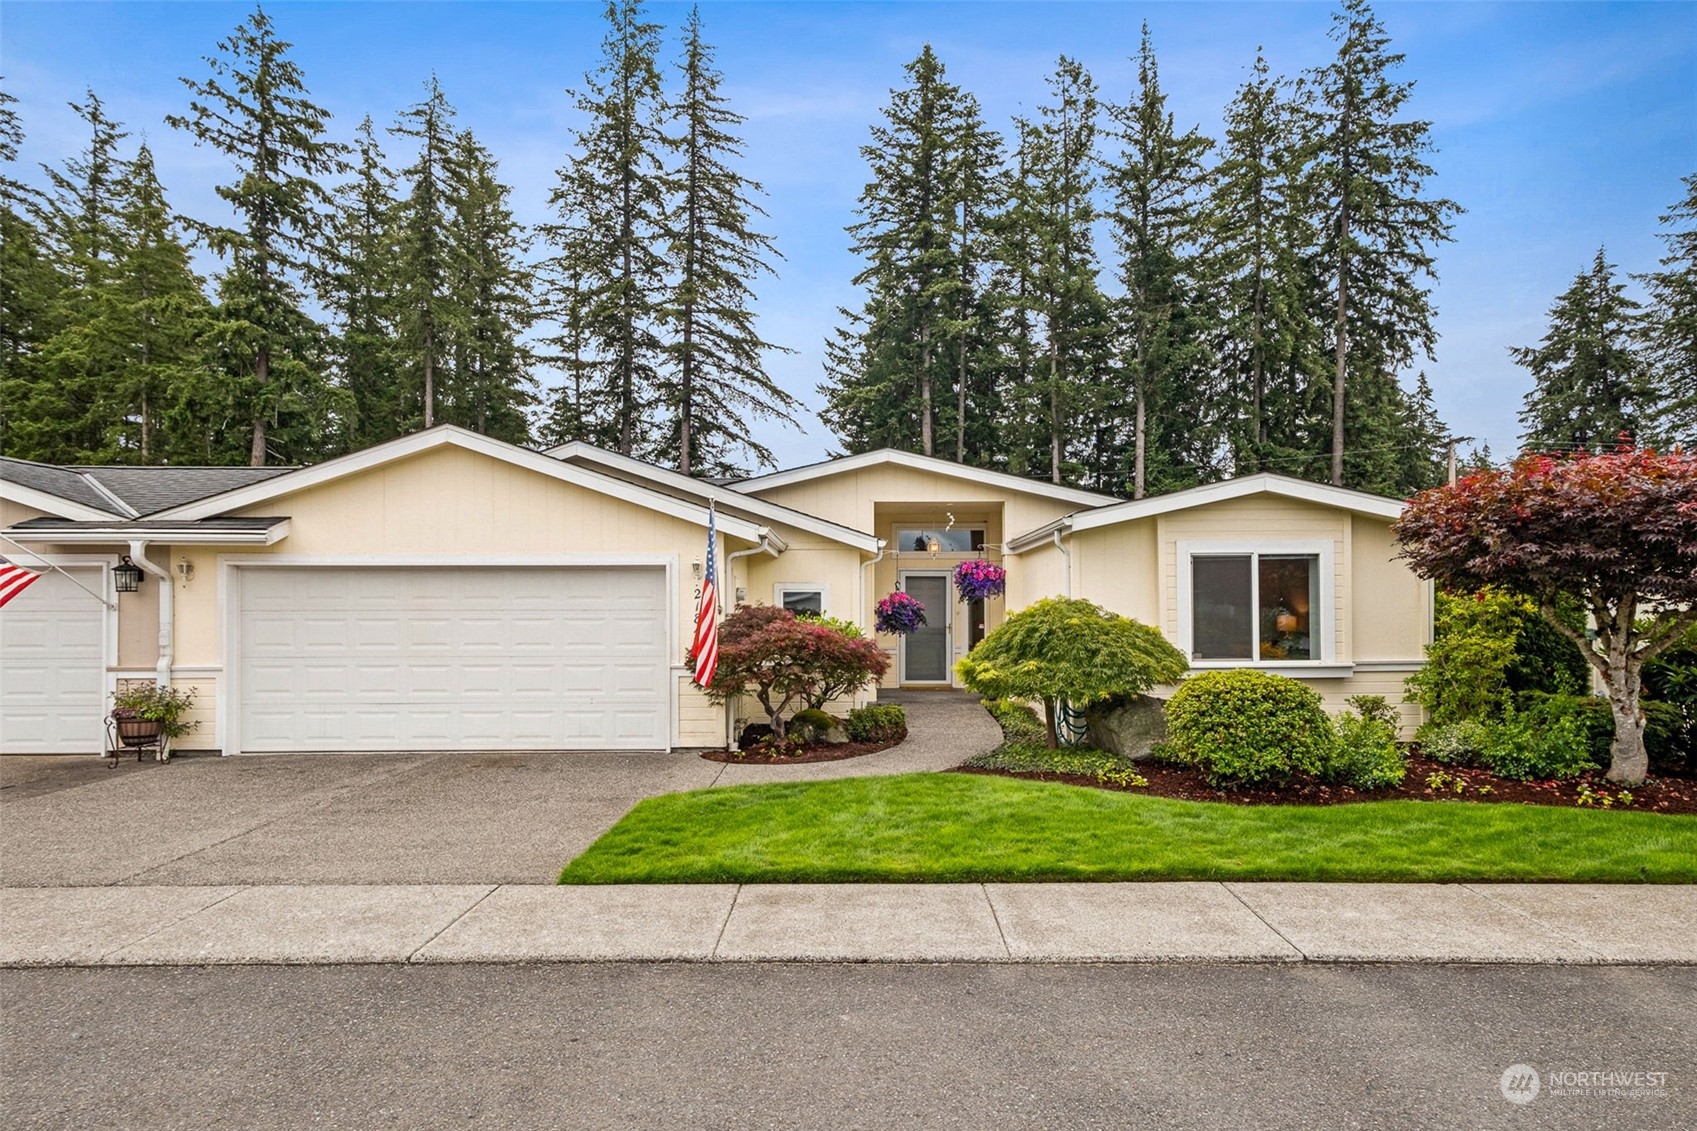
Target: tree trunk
<point>1054,410</point>
<point>927,421</point>
<point>1342,334</point>
<point>429,377</point>
<point>1049,723</point>
<point>1137,478</point>
<point>261,374</point>
<point>1629,761</point>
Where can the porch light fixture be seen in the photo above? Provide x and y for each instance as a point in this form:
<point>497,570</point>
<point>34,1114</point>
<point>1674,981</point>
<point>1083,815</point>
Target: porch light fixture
<point>126,576</point>
<point>932,544</point>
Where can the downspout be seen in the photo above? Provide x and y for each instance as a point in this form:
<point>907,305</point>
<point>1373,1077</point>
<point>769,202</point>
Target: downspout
<point>765,547</point>
<point>1066,560</point>
<point>860,609</point>
<point>167,610</point>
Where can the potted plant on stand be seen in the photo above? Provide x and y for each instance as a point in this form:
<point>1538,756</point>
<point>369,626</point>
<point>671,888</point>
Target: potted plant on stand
<point>146,716</point>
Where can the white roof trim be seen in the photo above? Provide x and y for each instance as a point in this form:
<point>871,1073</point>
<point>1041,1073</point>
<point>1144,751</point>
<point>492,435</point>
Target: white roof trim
<point>924,463</point>
<point>1263,483</point>
<point>448,435</point>
<point>53,504</point>
<point>577,450</point>
<point>121,532</point>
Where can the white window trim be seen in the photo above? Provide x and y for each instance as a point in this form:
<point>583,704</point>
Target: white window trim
<point>1326,664</point>
<point>782,588</point>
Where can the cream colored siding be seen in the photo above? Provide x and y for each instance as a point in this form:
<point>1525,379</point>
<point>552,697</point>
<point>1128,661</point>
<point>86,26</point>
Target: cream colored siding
<point>449,502</point>
<point>700,722</point>
<point>1036,574</point>
<point>1118,568</point>
<point>1380,611</point>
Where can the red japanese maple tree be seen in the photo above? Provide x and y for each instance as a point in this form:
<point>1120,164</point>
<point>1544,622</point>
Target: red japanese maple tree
<point>785,661</point>
<point>1618,530</point>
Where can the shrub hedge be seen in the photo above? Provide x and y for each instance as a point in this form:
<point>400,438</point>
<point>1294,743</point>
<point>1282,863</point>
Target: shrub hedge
<point>1246,727</point>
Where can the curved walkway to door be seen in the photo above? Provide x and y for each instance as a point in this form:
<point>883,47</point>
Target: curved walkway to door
<point>944,729</point>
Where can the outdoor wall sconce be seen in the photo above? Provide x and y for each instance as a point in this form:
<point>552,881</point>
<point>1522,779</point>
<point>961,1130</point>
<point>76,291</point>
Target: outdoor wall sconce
<point>932,544</point>
<point>185,570</point>
<point>695,568</point>
<point>126,576</point>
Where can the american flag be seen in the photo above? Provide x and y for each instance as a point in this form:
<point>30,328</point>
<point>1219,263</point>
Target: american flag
<point>14,579</point>
<point>705,648</point>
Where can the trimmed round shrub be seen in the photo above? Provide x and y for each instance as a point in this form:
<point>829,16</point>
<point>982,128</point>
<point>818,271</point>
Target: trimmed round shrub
<point>1247,727</point>
<point>876,722</point>
<point>1365,753</point>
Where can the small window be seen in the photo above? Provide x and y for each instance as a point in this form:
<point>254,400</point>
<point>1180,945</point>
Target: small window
<point>801,599</point>
<point>1255,607</point>
<point>955,540</point>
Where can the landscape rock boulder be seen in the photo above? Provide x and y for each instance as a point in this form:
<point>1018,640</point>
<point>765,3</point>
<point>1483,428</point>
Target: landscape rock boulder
<point>1128,727</point>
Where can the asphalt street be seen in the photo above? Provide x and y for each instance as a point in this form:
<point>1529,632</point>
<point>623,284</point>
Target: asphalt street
<point>845,1046</point>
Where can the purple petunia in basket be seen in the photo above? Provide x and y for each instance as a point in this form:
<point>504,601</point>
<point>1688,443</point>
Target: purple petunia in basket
<point>899,613</point>
<point>979,580</point>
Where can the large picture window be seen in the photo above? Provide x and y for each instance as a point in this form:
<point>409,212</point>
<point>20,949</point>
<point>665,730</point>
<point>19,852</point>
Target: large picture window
<point>1255,607</point>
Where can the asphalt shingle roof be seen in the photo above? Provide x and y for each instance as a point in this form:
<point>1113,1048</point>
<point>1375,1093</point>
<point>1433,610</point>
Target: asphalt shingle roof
<point>146,490</point>
<point>58,481</point>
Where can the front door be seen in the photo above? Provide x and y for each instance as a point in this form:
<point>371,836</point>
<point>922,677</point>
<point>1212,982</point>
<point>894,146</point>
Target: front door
<point>926,651</point>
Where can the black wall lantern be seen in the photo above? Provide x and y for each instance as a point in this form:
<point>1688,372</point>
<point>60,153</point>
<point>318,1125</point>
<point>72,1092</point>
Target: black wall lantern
<point>126,575</point>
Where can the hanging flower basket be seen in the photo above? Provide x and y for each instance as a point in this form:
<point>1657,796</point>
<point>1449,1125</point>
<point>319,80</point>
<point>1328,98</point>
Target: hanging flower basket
<point>899,613</point>
<point>979,580</point>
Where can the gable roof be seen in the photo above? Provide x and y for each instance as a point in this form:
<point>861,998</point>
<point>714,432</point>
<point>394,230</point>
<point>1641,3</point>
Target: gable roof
<point>448,435</point>
<point>673,482</point>
<point>125,490</point>
<point>933,464</point>
<point>1262,483</point>
<point>57,490</point>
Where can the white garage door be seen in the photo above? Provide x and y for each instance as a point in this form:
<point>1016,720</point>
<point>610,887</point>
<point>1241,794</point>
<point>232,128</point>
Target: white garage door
<point>453,659</point>
<point>52,667</point>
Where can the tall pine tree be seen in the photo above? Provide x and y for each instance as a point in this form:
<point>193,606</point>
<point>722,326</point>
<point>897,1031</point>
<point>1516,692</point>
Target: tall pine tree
<point>1268,335</point>
<point>1590,385</point>
<point>490,389</point>
<point>1365,185</point>
<point>1157,186</point>
<point>610,267</point>
<point>715,386</point>
<point>1670,333</point>
<point>31,288</point>
<point>254,109</point>
<point>357,285</point>
<point>428,317</point>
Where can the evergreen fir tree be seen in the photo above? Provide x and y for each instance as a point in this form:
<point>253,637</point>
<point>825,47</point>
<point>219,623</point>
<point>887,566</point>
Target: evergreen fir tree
<point>1054,202</point>
<point>906,234</point>
<point>612,202</point>
<point>491,389</point>
<point>1378,231</point>
<point>358,286</point>
<point>1590,385</point>
<point>715,386</point>
<point>31,289</point>
<point>970,324</point>
<point>144,335</point>
<point>254,109</point>
<point>1157,189</point>
<point>1670,332</point>
<point>1267,340</point>
<point>428,315</point>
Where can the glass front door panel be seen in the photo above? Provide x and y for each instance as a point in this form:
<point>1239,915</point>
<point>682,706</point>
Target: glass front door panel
<point>925,651</point>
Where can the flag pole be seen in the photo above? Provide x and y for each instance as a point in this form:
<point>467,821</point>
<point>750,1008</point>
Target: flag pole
<point>51,566</point>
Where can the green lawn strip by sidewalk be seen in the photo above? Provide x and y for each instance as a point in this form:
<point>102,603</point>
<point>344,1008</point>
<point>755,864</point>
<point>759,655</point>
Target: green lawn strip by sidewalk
<point>966,828</point>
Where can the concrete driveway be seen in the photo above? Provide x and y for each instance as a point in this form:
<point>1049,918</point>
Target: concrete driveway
<point>320,819</point>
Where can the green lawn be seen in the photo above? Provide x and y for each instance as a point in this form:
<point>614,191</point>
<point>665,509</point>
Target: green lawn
<point>959,827</point>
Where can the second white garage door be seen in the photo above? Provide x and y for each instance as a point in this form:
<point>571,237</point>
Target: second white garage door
<point>453,659</point>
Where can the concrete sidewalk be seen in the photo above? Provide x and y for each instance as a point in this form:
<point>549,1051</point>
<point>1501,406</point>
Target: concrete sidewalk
<point>1149,922</point>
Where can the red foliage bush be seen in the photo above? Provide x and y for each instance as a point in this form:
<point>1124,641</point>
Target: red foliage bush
<point>786,662</point>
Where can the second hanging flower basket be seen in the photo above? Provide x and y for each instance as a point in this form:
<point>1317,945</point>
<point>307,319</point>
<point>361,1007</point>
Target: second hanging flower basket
<point>979,580</point>
<point>899,613</point>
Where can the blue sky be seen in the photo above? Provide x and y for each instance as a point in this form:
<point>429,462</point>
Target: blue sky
<point>1560,127</point>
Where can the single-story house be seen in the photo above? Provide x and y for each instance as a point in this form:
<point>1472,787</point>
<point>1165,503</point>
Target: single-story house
<point>448,591</point>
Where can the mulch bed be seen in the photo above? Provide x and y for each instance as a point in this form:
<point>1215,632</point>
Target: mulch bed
<point>753,754</point>
<point>1656,795</point>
